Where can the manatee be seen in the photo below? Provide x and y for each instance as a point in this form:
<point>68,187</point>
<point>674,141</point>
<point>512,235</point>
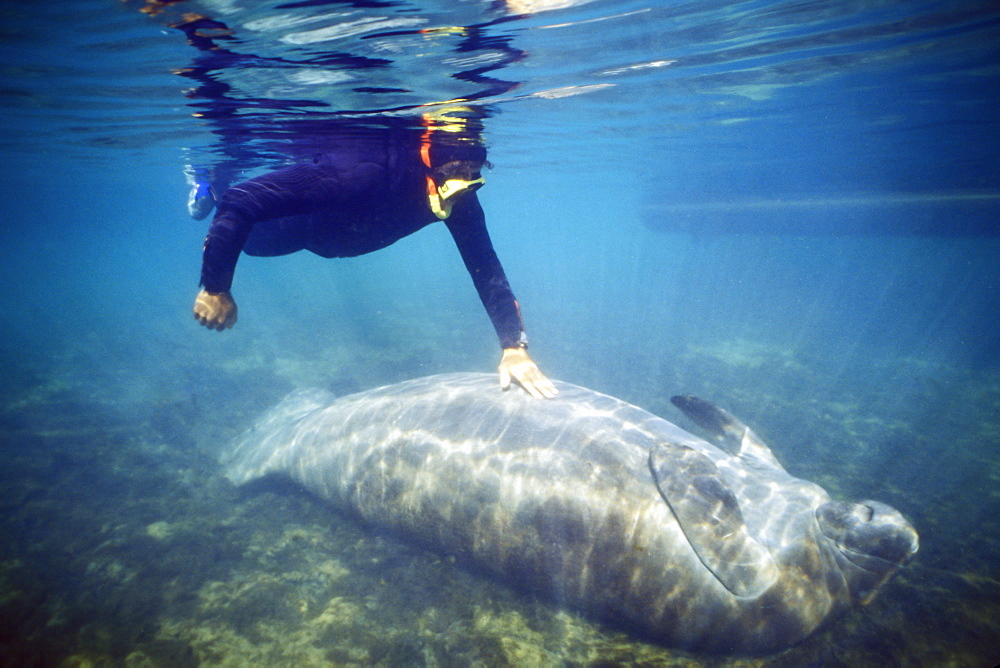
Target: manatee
<point>591,502</point>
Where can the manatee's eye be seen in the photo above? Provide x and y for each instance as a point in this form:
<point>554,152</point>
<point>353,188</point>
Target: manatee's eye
<point>863,512</point>
<point>839,520</point>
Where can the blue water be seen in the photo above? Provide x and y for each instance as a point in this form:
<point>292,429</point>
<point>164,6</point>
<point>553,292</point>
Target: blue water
<point>790,208</point>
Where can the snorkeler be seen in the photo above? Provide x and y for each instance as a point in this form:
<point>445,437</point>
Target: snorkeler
<point>372,189</point>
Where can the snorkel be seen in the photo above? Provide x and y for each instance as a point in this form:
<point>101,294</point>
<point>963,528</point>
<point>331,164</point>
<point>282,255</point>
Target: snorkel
<point>459,172</point>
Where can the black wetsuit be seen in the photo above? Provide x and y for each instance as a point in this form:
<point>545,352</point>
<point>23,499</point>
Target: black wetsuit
<point>363,195</point>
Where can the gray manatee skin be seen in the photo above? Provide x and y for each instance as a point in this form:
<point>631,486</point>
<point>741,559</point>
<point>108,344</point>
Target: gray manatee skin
<point>590,502</point>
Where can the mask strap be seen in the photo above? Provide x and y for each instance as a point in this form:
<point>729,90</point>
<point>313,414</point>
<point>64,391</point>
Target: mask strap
<point>425,142</point>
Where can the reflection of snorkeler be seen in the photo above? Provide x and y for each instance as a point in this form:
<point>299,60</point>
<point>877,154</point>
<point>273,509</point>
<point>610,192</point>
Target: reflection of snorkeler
<point>373,189</point>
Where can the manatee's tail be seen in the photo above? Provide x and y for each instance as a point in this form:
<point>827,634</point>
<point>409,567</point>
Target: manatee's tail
<point>262,448</point>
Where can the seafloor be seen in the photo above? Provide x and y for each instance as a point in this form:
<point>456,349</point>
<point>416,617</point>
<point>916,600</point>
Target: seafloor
<point>123,545</point>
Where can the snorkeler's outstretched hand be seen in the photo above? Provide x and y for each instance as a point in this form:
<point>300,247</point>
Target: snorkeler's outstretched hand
<point>215,310</point>
<point>516,364</point>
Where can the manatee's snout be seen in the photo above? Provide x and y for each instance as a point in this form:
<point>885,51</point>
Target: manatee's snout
<point>874,538</point>
<point>869,531</point>
<point>889,535</point>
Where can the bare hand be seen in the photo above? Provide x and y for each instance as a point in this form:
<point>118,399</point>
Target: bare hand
<point>215,310</point>
<point>516,364</point>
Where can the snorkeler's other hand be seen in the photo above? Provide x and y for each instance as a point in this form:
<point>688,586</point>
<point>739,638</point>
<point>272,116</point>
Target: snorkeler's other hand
<point>215,310</point>
<point>201,201</point>
<point>516,364</point>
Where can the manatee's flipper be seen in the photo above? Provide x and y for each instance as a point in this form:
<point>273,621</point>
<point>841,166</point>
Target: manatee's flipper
<point>729,432</point>
<point>709,515</point>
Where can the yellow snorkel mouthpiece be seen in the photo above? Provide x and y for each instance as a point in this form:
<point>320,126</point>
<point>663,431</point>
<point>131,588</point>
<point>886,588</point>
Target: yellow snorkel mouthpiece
<point>441,198</point>
<point>453,187</point>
